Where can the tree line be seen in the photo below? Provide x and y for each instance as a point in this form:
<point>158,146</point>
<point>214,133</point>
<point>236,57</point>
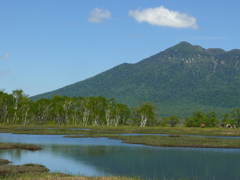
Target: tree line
<point>210,119</point>
<point>18,108</point>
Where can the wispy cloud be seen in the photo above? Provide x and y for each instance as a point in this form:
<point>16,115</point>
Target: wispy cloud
<point>161,16</point>
<point>71,24</point>
<point>6,55</point>
<point>136,35</point>
<point>209,37</point>
<point>98,15</point>
<point>3,73</point>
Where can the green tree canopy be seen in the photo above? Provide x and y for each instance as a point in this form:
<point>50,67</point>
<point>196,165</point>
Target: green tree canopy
<point>198,118</point>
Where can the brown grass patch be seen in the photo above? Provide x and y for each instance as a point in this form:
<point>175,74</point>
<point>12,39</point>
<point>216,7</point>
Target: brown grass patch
<point>10,170</point>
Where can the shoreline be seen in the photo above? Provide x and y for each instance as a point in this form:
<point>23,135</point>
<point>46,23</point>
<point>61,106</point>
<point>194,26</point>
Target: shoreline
<point>177,138</point>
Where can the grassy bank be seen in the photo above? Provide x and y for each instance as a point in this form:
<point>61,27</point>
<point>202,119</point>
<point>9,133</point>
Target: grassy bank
<point>59,176</point>
<point>30,147</point>
<point>106,130</point>
<point>182,141</point>
<point>10,171</point>
<point>40,172</point>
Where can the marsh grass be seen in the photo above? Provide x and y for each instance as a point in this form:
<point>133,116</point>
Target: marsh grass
<point>30,147</point>
<point>182,141</point>
<point>4,161</point>
<point>107,130</point>
<point>40,131</point>
<point>6,171</point>
<point>177,134</point>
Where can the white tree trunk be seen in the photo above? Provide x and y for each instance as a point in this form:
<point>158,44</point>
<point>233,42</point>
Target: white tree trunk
<point>116,120</point>
<point>107,112</point>
<point>26,114</point>
<point>143,120</point>
<point>96,121</point>
<point>85,117</point>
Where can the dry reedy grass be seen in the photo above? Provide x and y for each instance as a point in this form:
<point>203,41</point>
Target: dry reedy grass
<point>29,147</point>
<point>8,170</point>
<point>4,161</point>
<point>59,176</point>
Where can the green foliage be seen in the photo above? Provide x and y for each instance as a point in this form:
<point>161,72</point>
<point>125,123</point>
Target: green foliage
<point>236,116</point>
<point>173,120</point>
<point>164,122</point>
<point>227,120</point>
<point>198,118</point>
<point>17,108</point>
<point>211,119</point>
<point>145,114</point>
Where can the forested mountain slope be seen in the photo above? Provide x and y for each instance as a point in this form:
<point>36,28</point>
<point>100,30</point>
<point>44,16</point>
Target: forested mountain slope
<point>179,80</point>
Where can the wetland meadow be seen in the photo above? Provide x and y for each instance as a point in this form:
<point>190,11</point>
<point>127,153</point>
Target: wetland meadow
<point>124,152</point>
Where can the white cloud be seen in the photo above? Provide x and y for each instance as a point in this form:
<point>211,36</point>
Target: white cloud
<point>3,73</point>
<point>98,15</point>
<point>160,16</point>
<point>6,55</point>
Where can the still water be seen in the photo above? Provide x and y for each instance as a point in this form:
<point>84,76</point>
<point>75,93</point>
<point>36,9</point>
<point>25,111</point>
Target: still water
<point>103,156</point>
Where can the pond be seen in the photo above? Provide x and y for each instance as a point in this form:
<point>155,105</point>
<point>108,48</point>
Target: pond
<point>103,156</point>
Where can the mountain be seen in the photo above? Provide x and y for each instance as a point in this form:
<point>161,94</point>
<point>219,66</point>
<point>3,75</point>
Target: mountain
<point>179,80</point>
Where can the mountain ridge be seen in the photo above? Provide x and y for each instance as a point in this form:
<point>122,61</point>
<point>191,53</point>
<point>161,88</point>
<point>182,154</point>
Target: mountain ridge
<point>179,77</point>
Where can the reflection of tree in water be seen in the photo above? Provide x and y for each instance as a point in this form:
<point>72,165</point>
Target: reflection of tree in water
<point>14,154</point>
<point>148,162</point>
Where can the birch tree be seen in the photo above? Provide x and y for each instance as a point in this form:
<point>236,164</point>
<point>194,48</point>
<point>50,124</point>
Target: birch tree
<point>88,105</point>
<point>68,106</point>
<point>99,104</point>
<point>120,114</point>
<point>42,111</point>
<point>77,111</point>
<point>108,110</point>
<point>5,104</point>
<point>146,112</point>
<point>21,106</point>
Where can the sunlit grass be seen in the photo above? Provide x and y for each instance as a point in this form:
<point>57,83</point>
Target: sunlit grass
<point>106,130</point>
<point>112,131</point>
<point>182,141</point>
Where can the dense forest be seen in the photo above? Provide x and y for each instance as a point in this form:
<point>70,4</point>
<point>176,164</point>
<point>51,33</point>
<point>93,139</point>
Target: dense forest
<point>18,108</point>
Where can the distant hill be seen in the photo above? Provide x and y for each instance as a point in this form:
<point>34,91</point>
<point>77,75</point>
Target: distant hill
<point>179,80</point>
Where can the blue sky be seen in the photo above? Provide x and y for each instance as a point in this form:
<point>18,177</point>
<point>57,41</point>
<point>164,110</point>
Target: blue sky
<point>48,44</point>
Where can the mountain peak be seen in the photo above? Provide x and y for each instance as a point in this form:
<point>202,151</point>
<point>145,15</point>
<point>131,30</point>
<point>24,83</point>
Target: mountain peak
<point>184,43</point>
<point>187,47</point>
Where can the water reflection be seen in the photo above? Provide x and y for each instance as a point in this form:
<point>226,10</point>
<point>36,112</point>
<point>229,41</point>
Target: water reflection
<point>102,156</point>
